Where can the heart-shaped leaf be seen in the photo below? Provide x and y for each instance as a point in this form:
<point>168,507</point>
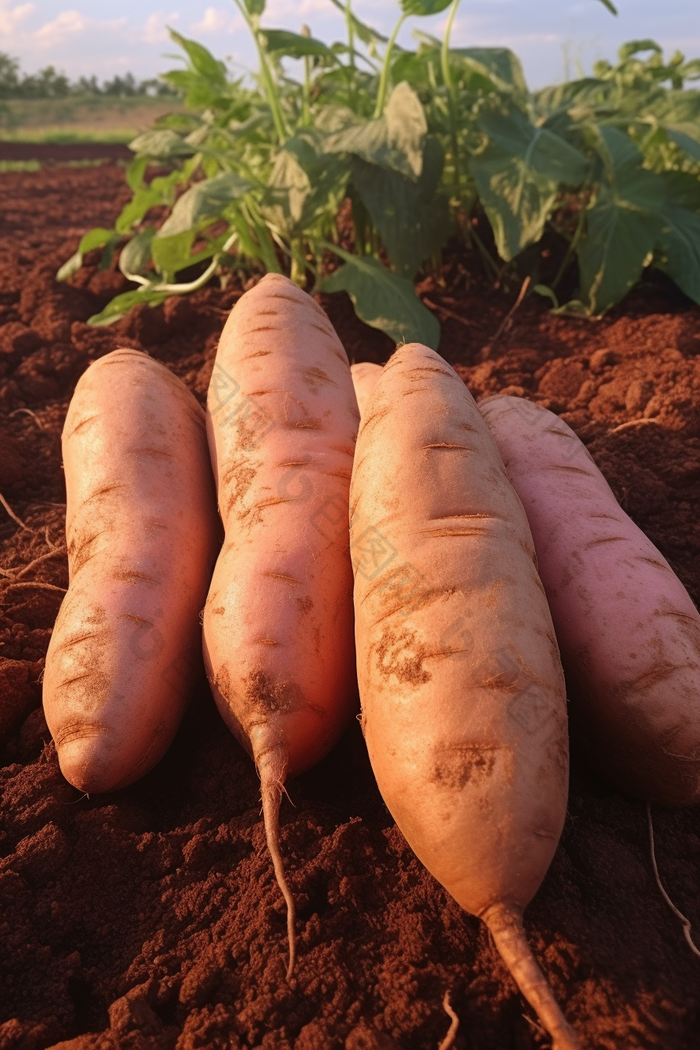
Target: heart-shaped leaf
<point>384,300</point>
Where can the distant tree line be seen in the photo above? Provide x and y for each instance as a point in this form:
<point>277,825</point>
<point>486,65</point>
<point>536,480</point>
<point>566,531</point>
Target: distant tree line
<point>48,83</point>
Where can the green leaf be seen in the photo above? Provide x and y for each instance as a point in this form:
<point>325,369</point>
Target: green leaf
<point>70,266</point>
<point>623,224</point>
<point>680,243</point>
<point>258,123</point>
<point>255,7</point>
<point>395,140</point>
<point>610,6</point>
<point>123,303</point>
<point>682,189</point>
<point>541,150</point>
<point>333,119</point>
<point>412,220</point>
<point>690,70</point>
<point>288,190</point>
<point>161,144</point>
<point>686,137</point>
<point>203,62</point>
<point>545,291</point>
<point>559,103</point>
<point>205,200</point>
<point>679,240</point>
<point>135,172</point>
<point>199,93</point>
<point>674,107</point>
<point>424,7</point>
<point>633,47</point>
<point>406,126</point>
<point>366,34</point>
<point>303,186</point>
<point>136,208</point>
<point>499,63</point>
<point>281,41</point>
<point>95,238</point>
<point>136,255</point>
<point>519,175</point>
<point>617,150</point>
<point>383,300</point>
<point>172,254</point>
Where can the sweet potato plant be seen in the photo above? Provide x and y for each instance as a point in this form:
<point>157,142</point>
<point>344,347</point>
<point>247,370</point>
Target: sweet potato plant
<point>427,144</point>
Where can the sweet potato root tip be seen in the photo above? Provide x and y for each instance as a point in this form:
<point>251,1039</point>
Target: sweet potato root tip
<point>283,579</point>
<point>448,1042</point>
<point>12,514</point>
<point>478,790</point>
<point>506,927</point>
<point>687,926</point>
<point>272,767</point>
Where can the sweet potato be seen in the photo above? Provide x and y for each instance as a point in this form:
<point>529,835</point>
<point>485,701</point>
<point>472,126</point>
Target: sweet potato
<point>278,622</point>
<point>461,686</point>
<point>628,631</point>
<point>364,379</point>
<point>142,536</point>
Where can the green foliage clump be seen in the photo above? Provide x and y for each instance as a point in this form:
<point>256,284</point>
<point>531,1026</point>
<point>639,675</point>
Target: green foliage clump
<point>423,144</point>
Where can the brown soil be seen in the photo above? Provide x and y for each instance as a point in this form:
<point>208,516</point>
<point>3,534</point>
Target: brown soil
<point>150,918</point>
<point>62,153</point>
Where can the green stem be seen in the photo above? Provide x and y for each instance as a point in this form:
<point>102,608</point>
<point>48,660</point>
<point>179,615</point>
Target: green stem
<point>306,88</point>
<point>199,282</point>
<point>228,161</point>
<point>267,249</point>
<point>351,32</point>
<point>298,267</point>
<point>256,225</point>
<point>384,77</point>
<point>305,110</point>
<point>351,47</point>
<point>289,252</point>
<point>573,245</point>
<point>484,252</point>
<point>451,95</point>
<point>266,75</point>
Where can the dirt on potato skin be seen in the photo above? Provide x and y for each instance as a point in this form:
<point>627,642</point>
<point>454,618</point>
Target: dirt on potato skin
<point>150,918</point>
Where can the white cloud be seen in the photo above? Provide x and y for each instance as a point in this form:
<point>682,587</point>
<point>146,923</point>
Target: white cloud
<point>67,23</point>
<point>71,25</point>
<point>155,28</point>
<point>294,9</point>
<point>214,21</point>
<point>11,17</point>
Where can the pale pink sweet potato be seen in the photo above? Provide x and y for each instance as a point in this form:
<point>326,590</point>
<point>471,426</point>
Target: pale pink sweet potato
<point>628,631</point>
<point>278,622</point>
<point>364,379</point>
<point>461,686</point>
<point>142,536</point>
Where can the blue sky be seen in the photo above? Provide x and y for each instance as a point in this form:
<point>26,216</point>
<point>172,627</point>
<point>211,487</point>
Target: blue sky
<point>115,36</point>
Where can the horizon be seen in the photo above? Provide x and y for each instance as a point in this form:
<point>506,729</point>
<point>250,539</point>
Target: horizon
<point>554,42</point>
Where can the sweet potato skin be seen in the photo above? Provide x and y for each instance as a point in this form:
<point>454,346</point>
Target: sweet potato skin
<point>461,685</point>
<point>628,630</point>
<point>278,622</point>
<point>364,379</point>
<point>142,535</point>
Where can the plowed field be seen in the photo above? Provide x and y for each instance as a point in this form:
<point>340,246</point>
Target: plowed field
<point>150,918</point>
